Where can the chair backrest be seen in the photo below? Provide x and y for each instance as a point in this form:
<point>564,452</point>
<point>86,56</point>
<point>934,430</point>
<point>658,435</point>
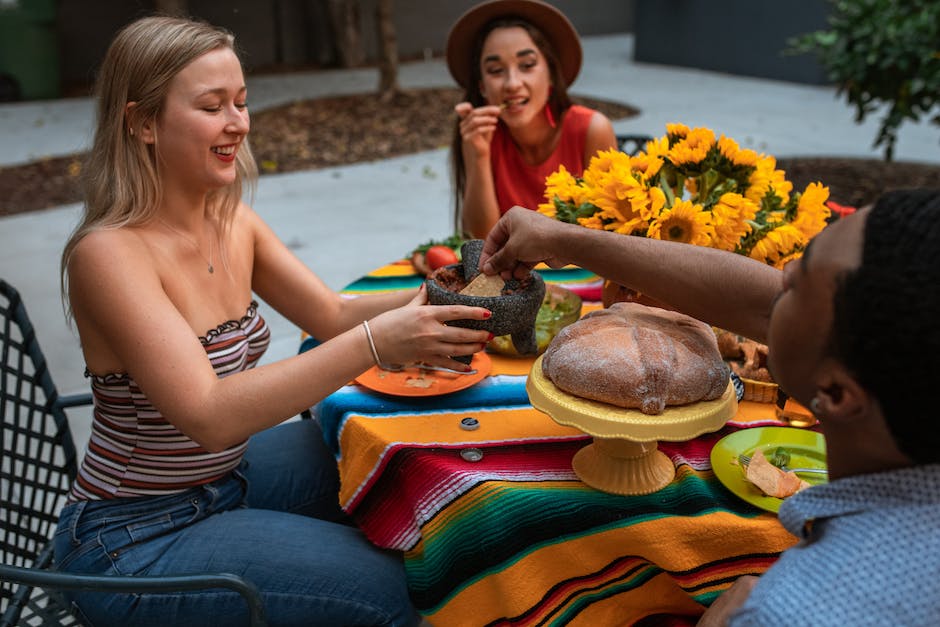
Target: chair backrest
<point>632,144</point>
<point>38,459</point>
<point>37,467</point>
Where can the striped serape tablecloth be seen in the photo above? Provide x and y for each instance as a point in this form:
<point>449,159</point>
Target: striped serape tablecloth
<point>400,275</point>
<point>495,527</point>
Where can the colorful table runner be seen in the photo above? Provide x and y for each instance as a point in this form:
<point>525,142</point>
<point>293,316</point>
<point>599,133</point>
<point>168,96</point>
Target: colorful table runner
<point>400,275</point>
<point>495,527</point>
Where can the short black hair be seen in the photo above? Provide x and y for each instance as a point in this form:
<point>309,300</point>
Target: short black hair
<point>885,317</point>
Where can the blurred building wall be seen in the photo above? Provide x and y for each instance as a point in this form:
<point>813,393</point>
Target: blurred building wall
<point>287,34</point>
<point>746,37</point>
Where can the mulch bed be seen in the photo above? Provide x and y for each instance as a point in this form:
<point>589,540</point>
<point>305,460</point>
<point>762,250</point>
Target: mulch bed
<point>859,182</point>
<point>329,132</point>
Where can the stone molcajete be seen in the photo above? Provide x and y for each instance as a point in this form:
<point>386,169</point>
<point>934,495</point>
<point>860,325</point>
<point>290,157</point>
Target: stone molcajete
<point>514,309</point>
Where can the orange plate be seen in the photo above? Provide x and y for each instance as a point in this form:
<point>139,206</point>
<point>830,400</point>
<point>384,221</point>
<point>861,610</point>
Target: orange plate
<point>413,382</point>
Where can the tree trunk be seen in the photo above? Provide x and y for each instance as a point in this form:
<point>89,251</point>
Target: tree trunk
<point>388,50</point>
<point>344,15</point>
<point>172,7</point>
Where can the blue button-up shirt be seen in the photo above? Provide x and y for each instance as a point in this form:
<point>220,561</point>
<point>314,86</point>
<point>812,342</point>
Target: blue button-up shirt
<point>869,554</point>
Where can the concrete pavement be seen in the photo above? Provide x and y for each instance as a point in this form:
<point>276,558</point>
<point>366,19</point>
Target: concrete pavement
<point>347,220</point>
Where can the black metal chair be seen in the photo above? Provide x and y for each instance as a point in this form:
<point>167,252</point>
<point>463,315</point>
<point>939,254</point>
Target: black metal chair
<point>632,144</point>
<point>37,466</point>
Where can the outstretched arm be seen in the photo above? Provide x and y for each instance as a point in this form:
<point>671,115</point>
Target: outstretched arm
<point>134,317</point>
<point>721,288</point>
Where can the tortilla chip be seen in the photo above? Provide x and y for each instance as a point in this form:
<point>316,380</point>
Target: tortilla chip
<point>484,285</point>
<point>419,382</point>
<point>771,480</point>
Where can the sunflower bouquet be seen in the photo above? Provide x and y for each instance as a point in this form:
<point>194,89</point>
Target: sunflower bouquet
<point>689,186</point>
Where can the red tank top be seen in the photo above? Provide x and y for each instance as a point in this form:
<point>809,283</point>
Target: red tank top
<point>517,182</point>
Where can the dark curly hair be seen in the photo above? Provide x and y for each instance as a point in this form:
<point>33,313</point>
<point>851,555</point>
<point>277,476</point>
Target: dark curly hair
<point>885,315</point>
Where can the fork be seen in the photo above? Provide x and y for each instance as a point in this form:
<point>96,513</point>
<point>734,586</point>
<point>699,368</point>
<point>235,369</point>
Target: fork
<point>402,368</point>
<point>746,459</point>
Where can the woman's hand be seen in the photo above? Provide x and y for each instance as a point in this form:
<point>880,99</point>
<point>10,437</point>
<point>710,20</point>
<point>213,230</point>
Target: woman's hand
<point>417,333</point>
<point>477,126</point>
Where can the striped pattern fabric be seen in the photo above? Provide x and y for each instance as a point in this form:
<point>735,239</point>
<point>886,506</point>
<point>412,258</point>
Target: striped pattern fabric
<point>135,451</point>
<point>400,275</point>
<point>516,538</point>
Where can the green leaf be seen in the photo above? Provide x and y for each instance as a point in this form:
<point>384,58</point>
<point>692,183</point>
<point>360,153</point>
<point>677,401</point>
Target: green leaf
<point>453,241</point>
<point>882,55</point>
<point>780,457</point>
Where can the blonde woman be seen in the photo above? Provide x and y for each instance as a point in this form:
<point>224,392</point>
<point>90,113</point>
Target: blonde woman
<point>187,470</point>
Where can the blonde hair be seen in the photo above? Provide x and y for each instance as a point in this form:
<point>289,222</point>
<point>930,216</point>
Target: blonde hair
<point>121,175</point>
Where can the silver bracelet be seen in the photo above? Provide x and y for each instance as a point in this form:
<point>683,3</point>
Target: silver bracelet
<point>375,353</point>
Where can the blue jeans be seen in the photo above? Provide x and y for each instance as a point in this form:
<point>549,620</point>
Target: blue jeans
<point>276,522</point>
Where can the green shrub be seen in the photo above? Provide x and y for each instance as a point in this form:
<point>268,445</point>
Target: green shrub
<point>883,55</point>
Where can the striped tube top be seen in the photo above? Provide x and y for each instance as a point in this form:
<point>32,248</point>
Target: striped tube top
<point>134,451</point>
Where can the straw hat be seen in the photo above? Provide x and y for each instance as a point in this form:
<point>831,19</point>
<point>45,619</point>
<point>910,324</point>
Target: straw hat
<point>550,21</point>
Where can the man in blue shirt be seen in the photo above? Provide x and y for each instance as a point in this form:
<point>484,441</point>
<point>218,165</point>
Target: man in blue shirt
<point>852,334</point>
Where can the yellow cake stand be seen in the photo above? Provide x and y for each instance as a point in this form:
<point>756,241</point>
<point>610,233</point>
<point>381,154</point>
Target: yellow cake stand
<point>624,457</point>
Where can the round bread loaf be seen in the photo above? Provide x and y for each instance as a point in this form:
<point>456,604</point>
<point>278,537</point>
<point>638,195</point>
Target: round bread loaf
<point>638,357</point>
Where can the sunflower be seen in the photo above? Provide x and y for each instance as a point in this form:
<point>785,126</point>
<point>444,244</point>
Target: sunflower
<point>566,196</point>
<point>811,210</point>
<point>621,197</point>
<point>687,186</point>
<point>685,222</point>
<point>767,180</point>
<point>693,148</point>
<point>783,242</point>
<point>730,150</point>
<point>731,219</point>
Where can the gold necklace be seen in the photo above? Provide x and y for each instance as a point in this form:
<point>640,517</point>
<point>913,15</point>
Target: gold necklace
<point>194,243</point>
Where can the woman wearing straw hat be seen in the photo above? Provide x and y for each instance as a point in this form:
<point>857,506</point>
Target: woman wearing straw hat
<point>515,60</point>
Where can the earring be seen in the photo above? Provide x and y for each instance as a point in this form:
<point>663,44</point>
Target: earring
<point>548,108</point>
<point>814,406</point>
<point>549,116</point>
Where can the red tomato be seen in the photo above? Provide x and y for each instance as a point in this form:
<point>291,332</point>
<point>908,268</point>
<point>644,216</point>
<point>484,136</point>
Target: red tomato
<point>440,256</point>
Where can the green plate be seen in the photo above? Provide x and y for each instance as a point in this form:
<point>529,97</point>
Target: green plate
<point>807,450</point>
